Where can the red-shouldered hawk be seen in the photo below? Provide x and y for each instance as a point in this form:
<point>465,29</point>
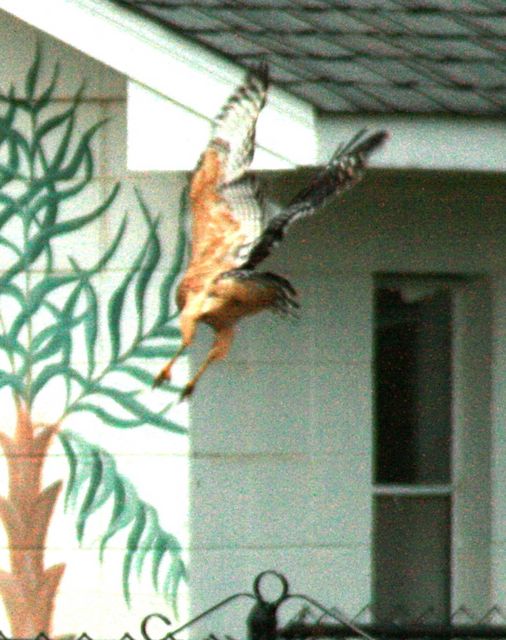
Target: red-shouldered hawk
<point>230,235</point>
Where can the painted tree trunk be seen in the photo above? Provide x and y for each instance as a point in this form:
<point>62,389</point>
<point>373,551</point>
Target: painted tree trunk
<point>29,589</point>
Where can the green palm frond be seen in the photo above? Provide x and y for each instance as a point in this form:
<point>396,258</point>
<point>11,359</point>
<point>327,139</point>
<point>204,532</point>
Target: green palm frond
<point>131,358</point>
<point>94,481</point>
<point>69,302</point>
<point>47,314</point>
<point>36,179</point>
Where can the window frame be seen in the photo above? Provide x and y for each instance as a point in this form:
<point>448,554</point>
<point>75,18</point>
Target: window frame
<point>469,492</point>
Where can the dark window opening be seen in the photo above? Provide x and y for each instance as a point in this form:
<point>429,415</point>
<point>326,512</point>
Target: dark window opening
<point>413,361</point>
<point>412,558</point>
<point>412,510</point>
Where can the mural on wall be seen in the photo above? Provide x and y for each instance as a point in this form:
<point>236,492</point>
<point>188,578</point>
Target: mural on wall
<point>47,314</point>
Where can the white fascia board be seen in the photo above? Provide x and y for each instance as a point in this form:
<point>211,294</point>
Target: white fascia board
<point>168,67</point>
<point>424,142</point>
<point>163,135</point>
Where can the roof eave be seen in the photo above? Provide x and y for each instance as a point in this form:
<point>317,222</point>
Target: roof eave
<point>432,142</point>
<point>179,84</point>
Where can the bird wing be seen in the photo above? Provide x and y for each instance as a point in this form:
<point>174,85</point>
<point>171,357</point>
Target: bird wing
<point>246,202</point>
<point>345,168</point>
<point>234,127</point>
<point>227,207</point>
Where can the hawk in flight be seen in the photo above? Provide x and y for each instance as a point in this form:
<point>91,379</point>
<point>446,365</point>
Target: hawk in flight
<point>230,233</point>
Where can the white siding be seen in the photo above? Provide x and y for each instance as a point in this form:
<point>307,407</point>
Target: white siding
<point>280,434</point>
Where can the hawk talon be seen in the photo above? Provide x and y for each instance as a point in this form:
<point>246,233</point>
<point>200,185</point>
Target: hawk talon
<point>187,391</point>
<point>163,376</point>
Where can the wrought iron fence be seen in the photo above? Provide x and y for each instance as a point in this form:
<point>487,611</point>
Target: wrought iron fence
<point>314,620</point>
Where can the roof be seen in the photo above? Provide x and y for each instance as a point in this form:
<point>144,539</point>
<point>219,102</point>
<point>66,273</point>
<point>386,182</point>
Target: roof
<point>176,85</point>
<point>358,56</point>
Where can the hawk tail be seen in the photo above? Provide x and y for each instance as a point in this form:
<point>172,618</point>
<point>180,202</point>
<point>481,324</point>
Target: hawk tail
<point>345,168</point>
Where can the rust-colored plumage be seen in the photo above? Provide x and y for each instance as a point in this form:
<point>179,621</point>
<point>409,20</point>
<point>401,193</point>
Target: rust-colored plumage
<point>230,235</point>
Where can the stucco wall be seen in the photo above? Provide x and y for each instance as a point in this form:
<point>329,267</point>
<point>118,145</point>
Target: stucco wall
<point>149,462</point>
<point>281,433</point>
<point>279,449</point>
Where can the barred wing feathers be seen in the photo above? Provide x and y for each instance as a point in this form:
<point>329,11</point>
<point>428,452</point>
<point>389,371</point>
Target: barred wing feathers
<point>344,170</point>
<point>226,203</point>
<point>235,125</point>
<point>245,199</point>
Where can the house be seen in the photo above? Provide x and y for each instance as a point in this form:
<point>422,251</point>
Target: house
<point>359,450</point>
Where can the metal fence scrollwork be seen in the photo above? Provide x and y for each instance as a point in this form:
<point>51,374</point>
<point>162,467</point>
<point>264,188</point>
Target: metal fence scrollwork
<point>271,592</point>
<point>314,620</point>
<point>262,620</point>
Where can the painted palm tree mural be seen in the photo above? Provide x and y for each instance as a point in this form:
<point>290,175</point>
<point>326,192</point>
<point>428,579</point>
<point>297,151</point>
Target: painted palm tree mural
<point>53,320</point>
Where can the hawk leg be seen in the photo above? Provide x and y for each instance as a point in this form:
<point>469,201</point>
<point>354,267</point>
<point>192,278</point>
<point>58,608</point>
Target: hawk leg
<point>166,373</point>
<point>218,351</point>
<point>188,325</point>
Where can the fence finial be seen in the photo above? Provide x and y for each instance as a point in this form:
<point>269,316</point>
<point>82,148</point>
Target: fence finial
<point>262,620</point>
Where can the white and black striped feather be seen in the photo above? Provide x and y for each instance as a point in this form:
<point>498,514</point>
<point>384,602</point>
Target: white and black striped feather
<point>234,129</point>
<point>344,170</point>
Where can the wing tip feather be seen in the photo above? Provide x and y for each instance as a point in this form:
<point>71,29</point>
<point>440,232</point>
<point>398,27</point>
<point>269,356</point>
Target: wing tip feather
<point>261,72</point>
<point>363,142</point>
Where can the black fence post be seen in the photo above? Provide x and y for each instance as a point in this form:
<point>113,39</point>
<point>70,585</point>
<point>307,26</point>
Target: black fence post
<point>262,621</point>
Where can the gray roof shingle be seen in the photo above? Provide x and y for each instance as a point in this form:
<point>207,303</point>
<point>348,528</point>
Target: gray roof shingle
<point>368,56</point>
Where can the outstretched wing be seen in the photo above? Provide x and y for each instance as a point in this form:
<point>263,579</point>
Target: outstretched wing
<point>246,202</point>
<point>226,203</point>
<point>344,170</point>
<point>234,128</point>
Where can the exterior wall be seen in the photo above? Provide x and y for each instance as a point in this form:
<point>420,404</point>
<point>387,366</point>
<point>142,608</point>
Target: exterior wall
<point>46,570</point>
<point>281,433</point>
<point>279,453</point>
<point>498,548</point>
